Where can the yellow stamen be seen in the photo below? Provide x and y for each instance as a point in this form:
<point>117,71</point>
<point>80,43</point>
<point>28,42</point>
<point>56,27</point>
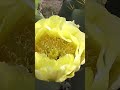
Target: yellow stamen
<point>54,47</point>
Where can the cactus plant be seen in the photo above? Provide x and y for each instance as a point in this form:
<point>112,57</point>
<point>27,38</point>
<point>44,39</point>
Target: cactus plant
<point>79,16</point>
<point>38,14</point>
<point>73,10</point>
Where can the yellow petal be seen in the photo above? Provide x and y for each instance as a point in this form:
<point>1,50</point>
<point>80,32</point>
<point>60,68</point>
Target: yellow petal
<point>62,45</point>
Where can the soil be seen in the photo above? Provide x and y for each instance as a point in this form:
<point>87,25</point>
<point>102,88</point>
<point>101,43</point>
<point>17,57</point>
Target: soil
<point>50,7</point>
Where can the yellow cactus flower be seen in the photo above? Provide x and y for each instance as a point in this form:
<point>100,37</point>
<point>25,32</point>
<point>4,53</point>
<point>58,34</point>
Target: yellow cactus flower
<point>59,49</point>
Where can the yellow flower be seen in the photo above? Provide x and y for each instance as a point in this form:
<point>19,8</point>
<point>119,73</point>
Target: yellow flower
<point>59,49</point>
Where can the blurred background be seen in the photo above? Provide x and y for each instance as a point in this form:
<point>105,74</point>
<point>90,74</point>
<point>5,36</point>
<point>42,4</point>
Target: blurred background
<point>17,20</point>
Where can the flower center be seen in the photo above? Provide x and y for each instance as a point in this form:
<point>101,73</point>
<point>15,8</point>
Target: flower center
<point>54,47</point>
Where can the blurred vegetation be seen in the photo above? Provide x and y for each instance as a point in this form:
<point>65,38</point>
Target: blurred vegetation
<point>17,34</point>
